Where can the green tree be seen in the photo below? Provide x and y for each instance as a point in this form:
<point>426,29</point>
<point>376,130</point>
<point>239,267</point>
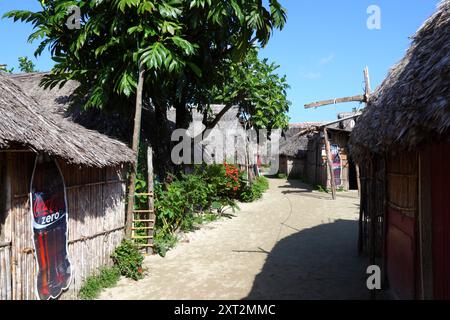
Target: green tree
<point>254,86</point>
<point>181,43</point>
<point>26,65</point>
<point>4,68</point>
<point>182,46</point>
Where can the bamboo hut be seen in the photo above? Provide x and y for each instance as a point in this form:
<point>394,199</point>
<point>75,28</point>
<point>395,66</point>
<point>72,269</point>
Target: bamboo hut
<point>402,144</point>
<point>294,150</point>
<point>302,153</point>
<point>92,166</point>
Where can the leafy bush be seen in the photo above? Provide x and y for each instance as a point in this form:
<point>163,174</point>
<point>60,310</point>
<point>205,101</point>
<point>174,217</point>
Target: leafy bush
<point>320,188</point>
<point>192,199</point>
<point>128,260</point>
<point>254,191</point>
<point>93,285</point>
<point>163,242</point>
<point>282,176</point>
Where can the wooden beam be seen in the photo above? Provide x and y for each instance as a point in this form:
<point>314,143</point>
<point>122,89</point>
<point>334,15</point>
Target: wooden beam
<point>318,127</point>
<point>367,85</point>
<point>330,163</point>
<point>358,98</point>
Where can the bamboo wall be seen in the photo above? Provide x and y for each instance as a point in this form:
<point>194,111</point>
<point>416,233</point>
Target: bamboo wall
<point>5,232</point>
<point>293,167</point>
<point>96,211</point>
<point>401,217</point>
<point>316,170</point>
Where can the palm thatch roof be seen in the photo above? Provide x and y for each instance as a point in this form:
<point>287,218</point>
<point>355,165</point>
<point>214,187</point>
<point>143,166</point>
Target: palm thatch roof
<point>412,105</point>
<point>294,144</point>
<point>37,125</point>
<point>61,101</point>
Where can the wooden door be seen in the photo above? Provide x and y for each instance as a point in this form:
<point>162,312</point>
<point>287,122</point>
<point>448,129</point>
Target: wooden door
<point>402,209</point>
<point>440,206</point>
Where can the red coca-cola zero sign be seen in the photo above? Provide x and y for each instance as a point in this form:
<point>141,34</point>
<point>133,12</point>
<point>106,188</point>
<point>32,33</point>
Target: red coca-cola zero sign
<point>49,217</point>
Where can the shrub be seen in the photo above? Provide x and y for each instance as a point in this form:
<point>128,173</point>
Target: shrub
<point>253,192</point>
<point>93,285</point>
<point>282,176</point>
<point>163,242</point>
<point>128,260</point>
<point>201,196</point>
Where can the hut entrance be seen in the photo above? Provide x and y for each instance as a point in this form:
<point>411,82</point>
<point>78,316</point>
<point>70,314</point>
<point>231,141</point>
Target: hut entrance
<point>440,177</point>
<point>352,178</point>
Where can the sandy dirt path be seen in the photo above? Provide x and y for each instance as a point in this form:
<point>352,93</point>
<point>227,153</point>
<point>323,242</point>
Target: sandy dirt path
<point>292,244</point>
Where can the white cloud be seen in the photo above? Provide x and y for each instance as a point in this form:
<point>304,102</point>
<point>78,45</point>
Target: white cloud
<point>327,59</point>
<point>311,75</point>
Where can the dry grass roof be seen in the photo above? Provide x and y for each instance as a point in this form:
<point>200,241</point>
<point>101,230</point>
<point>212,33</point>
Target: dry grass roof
<point>412,105</point>
<point>39,126</point>
<point>294,145</point>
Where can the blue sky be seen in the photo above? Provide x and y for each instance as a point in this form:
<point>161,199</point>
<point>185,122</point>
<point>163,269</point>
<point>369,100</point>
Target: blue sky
<point>323,49</point>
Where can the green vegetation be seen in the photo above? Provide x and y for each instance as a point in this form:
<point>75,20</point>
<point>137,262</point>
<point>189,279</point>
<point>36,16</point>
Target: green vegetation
<point>184,203</point>
<point>127,262</point>
<point>321,188</point>
<point>26,65</point>
<point>255,191</point>
<point>198,52</point>
<point>282,176</point>
<point>94,284</point>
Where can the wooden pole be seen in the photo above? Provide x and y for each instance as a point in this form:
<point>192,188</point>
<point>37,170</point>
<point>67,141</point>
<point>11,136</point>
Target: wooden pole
<point>151,204</point>
<point>135,147</point>
<point>330,163</point>
<point>367,87</point>
<point>358,98</point>
<point>358,179</point>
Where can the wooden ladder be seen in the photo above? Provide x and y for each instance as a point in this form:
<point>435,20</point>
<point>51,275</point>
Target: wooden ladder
<point>143,225</point>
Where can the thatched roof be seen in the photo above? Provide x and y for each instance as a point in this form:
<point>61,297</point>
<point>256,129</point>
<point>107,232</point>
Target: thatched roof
<point>37,125</point>
<point>412,105</point>
<point>294,145</point>
<point>61,101</point>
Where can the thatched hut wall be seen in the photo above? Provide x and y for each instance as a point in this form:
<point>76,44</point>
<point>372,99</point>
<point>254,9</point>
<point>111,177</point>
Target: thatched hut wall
<point>316,169</point>
<point>96,211</point>
<point>406,125</point>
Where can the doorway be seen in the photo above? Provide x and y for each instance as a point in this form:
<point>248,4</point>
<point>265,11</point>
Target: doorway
<point>352,177</point>
<point>440,192</point>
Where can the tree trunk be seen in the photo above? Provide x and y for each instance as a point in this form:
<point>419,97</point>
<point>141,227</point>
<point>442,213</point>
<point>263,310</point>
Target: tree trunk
<point>183,116</point>
<point>135,147</point>
<point>161,140</point>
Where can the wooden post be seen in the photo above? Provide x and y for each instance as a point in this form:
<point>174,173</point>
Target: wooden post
<point>151,204</point>
<point>358,179</point>
<point>367,85</point>
<point>330,163</point>
<point>135,147</point>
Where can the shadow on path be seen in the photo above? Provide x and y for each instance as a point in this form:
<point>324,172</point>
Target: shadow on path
<point>316,263</point>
